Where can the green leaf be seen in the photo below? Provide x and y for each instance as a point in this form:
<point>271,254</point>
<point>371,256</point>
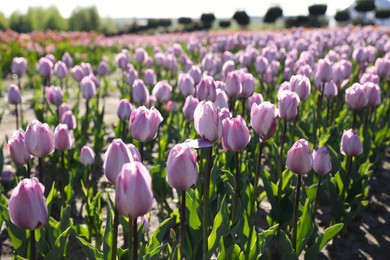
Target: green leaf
<point>89,250</point>
<point>286,247</point>
<point>59,246</point>
<point>305,227</point>
<point>108,235</point>
<point>52,194</point>
<point>330,233</point>
<point>156,243</point>
<point>192,205</point>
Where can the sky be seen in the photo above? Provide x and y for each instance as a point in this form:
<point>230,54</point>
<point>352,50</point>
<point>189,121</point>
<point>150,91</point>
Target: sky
<point>173,8</point>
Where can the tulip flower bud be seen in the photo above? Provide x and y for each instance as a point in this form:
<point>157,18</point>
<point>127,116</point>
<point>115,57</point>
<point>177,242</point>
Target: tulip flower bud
<point>124,110</point>
<point>131,76</point>
<point>369,77</point>
<point>207,122</point>
<point>69,119</point>
<point>248,85</point>
<point>186,85</point>
<point>17,150</point>
<point>54,95</point>
<point>171,106</point>
<point>121,60</point>
<point>235,135</point>
<point>288,104</point>
<point>330,89</point>
<point>222,99</point>
<point>322,164</point>
<point>134,152</point>
<point>7,174</point>
<point>150,77</point>
<point>27,206</point>
<point>77,73</point>
<point>355,97</point>
<point>206,89</point>
<point>87,156</point>
<point>189,107</point>
<point>373,94</point>
<point>351,143</point>
<point>19,66</point>
<point>233,85</point>
<point>62,139</point>
<point>162,91</point>
<point>140,55</point>
<point>102,68</point>
<point>360,55</point>
<point>256,98</point>
<point>227,67</point>
<point>67,59</point>
<point>323,70</point>
<point>45,67</point>
<point>382,67</point>
<point>261,64</point>
<point>196,74</point>
<point>299,158</point>
<point>264,120</point>
<point>133,191</point>
<point>144,123</point>
<point>116,156</point>
<point>39,139</point>
<point>61,70</point>
<point>300,85</point>
<point>86,68</point>
<point>143,220</point>
<point>51,57</point>
<point>63,108</point>
<point>13,95</point>
<point>88,88</point>
<point>139,92</point>
<point>182,173</point>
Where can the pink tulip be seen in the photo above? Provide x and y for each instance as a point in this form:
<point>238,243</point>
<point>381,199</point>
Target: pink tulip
<point>235,135</point>
<point>382,67</point>
<point>19,66</point>
<point>17,150</point>
<point>140,55</point>
<point>150,77</point>
<point>134,152</point>
<point>143,220</point>
<point>299,158</point>
<point>288,104</point>
<point>39,140</point>
<point>322,164</point>
<point>261,64</point>
<point>323,70</point>
<point>69,119</point>
<point>116,156</point>
<point>162,91</point>
<point>355,97</point>
<point>139,92</point>
<point>102,68</point>
<point>373,94</point>
<point>256,98</point>
<point>264,120</point>
<point>121,60</point>
<point>351,143</point>
<point>144,123</point>
<point>248,85</point>
<point>67,59</point>
<point>61,70</point>
<point>88,88</point>
<point>45,67</point>
<point>189,107</point>
<point>186,85</point>
<point>27,206</point>
<point>222,99</point>
<point>13,95</point>
<point>206,89</point>
<point>196,74</point>
<point>87,156</point>
<point>171,106</point>
<point>77,73</point>
<point>54,95</point>
<point>233,86</point>
<point>133,191</point>
<point>63,108</point>
<point>124,110</point>
<point>330,89</point>
<point>62,139</point>
<point>227,67</point>
<point>131,76</point>
<point>300,85</point>
<point>207,122</point>
<point>182,173</point>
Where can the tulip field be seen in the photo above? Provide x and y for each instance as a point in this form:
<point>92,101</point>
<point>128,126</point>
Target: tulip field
<point>222,145</point>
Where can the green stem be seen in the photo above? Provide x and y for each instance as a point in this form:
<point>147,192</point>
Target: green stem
<point>141,150</point>
<point>182,222</point>
<point>32,245</point>
<point>319,112</point>
<point>17,116</point>
<point>115,233</point>
<point>86,114</point>
<point>62,173</point>
<point>295,219</point>
<point>28,173</point>
<point>209,165</point>
<point>354,119</point>
<point>237,189</point>
<point>280,170</point>
<point>317,192</point>
<point>135,239</point>
<point>123,130</point>
<point>347,173</point>
<point>40,168</point>
<point>293,128</point>
<point>256,180</point>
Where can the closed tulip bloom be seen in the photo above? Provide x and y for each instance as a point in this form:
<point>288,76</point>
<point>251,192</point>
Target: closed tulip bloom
<point>144,123</point>
<point>248,85</point>
<point>133,191</point>
<point>77,73</point>
<point>139,92</point>
<point>54,95</point>
<point>373,94</point>
<point>330,89</point>
<point>62,139</point>
<point>17,149</point>
<point>52,58</point>
<point>131,76</point>
<point>88,88</point>
<point>186,85</point>
<point>102,68</point>
<point>235,135</point>
<point>207,122</point>
<point>351,143</point>
<point>261,64</point>
<point>134,152</point>
<point>206,89</point>
<point>140,55</point>
<point>61,70</point>
<point>162,91</point>
<point>264,120</point>
<point>322,163</point>
<point>382,67</point>
<point>124,110</point>
<point>45,67</point>
<point>323,70</point>
<point>39,140</point>
<point>355,96</point>
<point>63,108</point>
<point>150,77</point>
<point>27,206</point>
<point>143,220</point>
<point>189,107</point>
<point>369,77</point>
<point>121,60</point>
<point>13,95</point>
<point>182,173</point>
<point>360,55</point>
<point>222,99</point>
<point>227,67</point>
<point>116,156</point>
<point>256,98</point>
<point>196,74</point>
<point>288,104</point>
<point>300,85</point>
<point>19,66</point>
<point>69,119</point>
<point>233,85</point>
<point>67,59</point>
<point>87,156</point>
<point>299,158</point>
<point>171,106</point>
